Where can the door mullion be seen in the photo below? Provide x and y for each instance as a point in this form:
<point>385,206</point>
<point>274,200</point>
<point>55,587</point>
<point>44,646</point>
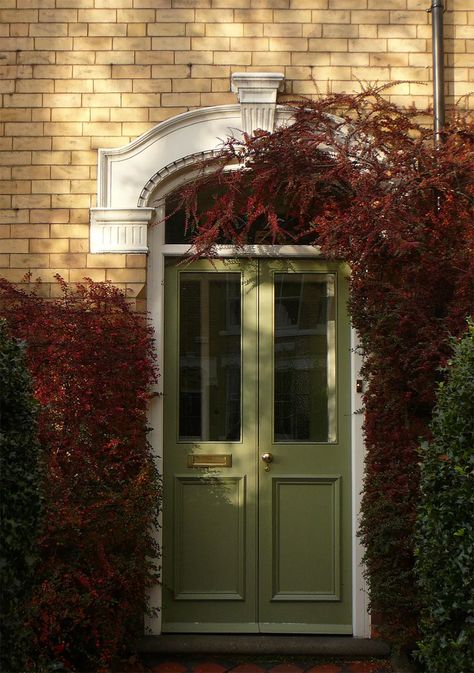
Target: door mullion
<point>258,449</point>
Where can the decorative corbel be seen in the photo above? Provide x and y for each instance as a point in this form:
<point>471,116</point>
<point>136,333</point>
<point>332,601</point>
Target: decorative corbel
<point>120,229</point>
<point>257,94</point>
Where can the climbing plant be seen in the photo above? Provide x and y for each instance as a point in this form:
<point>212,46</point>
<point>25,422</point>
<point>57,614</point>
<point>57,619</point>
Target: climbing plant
<point>360,178</point>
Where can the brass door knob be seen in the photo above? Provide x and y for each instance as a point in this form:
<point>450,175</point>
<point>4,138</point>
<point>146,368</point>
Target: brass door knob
<point>267,459</point>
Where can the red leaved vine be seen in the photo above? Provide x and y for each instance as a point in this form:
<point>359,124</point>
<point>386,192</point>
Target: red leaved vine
<point>361,178</point>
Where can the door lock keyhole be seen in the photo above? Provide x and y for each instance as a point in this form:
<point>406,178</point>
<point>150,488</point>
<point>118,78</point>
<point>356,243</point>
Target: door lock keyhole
<point>267,459</point>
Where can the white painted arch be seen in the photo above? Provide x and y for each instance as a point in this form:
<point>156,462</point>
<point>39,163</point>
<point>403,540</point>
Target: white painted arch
<point>132,183</point>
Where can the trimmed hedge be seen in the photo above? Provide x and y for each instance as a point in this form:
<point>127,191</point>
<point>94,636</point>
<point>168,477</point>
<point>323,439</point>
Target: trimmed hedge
<point>20,504</point>
<point>445,529</point>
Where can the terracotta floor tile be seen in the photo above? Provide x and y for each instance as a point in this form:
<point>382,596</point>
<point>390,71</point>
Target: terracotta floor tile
<point>209,667</point>
<point>365,667</point>
<point>247,668</point>
<point>231,665</point>
<point>169,667</point>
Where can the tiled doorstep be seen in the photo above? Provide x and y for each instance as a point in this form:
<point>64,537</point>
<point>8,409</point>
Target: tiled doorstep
<point>266,665</point>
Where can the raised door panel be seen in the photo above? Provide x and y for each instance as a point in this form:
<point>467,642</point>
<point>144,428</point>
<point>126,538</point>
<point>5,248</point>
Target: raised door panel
<point>209,538</point>
<point>306,548</point>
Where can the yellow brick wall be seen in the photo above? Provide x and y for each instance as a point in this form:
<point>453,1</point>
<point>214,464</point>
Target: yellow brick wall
<point>81,74</point>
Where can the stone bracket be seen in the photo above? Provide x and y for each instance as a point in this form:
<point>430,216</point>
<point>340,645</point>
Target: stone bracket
<point>257,94</point>
<point>120,229</point>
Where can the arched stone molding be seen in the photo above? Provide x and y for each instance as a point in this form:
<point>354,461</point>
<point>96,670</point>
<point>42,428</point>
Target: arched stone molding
<point>171,169</point>
<point>119,222</point>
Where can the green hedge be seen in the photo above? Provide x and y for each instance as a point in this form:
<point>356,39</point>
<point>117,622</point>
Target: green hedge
<point>445,530</point>
<point>20,503</point>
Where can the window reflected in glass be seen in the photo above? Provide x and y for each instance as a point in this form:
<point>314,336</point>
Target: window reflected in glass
<point>304,358</point>
<point>210,356</point>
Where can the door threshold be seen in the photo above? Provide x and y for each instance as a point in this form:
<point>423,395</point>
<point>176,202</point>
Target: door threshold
<point>193,643</point>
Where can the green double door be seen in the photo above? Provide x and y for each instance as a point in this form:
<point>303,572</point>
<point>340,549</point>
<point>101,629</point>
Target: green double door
<point>257,520</point>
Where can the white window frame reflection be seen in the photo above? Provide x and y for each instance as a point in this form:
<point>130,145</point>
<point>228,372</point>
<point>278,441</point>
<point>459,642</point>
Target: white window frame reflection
<point>292,330</point>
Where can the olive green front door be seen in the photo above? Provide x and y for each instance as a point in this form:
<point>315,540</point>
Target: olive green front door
<point>257,519</point>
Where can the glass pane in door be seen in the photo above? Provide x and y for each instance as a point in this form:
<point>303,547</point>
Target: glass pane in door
<point>209,356</point>
<point>304,358</point>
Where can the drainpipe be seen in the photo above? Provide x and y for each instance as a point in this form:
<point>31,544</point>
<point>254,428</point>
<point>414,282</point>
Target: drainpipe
<point>436,11</point>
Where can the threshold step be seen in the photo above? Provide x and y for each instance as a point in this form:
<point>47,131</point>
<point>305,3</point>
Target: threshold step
<point>333,646</point>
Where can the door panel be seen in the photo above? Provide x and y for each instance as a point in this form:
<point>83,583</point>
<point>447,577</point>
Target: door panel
<point>210,476</point>
<point>304,498</point>
<point>297,548</point>
<point>251,349</point>
<point>209,538</point>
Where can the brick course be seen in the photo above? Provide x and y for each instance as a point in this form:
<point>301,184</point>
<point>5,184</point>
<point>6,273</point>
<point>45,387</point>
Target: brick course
<point>80,74</point>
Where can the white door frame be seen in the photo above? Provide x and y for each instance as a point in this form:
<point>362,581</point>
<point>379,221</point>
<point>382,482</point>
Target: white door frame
<point>131,181</point>
<point>158,252</point>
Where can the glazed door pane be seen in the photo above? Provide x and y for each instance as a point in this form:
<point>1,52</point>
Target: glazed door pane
<point>303,360</point>
<point>210,356</point>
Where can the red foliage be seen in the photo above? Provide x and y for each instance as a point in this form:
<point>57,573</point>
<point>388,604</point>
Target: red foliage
<point>91,358</point>
<point>369,188</point>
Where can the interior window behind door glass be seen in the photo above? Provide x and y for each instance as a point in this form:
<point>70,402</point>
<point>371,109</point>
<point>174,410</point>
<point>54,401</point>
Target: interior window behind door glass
<point>176,231</point>
<point>304,360</point>
<point>209,356</point>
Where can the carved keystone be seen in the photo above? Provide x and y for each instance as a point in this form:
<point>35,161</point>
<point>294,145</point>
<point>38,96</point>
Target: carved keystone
<point>257,94</point>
